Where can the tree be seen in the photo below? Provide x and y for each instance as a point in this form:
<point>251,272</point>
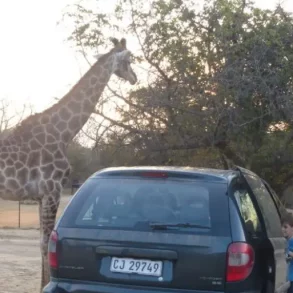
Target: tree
<point>217,83</point>
<point>10,117</point>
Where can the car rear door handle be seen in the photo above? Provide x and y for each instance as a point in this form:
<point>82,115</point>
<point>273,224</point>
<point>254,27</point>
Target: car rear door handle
<point>137,252</point>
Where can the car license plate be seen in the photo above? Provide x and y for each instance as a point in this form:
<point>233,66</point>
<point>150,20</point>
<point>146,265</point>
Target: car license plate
<point>135,266</point>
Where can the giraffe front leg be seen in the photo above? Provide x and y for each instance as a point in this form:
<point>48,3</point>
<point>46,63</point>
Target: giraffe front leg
<point>47,210</point>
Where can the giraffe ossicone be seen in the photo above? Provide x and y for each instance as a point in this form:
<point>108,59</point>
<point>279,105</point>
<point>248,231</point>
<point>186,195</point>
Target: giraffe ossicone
<point>33,160</point>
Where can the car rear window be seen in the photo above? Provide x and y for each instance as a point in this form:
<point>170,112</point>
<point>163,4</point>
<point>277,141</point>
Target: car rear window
<point>135,203</point>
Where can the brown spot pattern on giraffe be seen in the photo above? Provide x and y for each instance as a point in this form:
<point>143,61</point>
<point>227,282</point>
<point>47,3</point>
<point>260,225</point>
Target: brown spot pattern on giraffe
<point>43,187</point>
<point>57,186</point>
<point>13,156</point>
<point>58,155</point>
<point>75,98</point>
<point>22,175</point>
<point>34,144</point>
<point>87,106</point>
<point>50,138</point>
<point>61,126</point>
<point>61,164</point>
<point>33,159</point>
<point>2,164</point>
<point>46,157</point>
<point>104,78</point>
<point>23,157</point>
<point>34,174</point>
<point>2,178</point>
<point>28,135</point>
<point>64,114</point>
<point>93,81</point>
<point>74,107</point>
<point>41,138</point>
<point>9,171</point>
<point>50,185</point>
<point>66,135</point>
<point>38,129</point>
<point>51,129</point>
<point>55,119</point>
<point>45,119</point>
<point>83,118</point>
<point>14,149</point>
<point>12,184</point>
<point>18,165</point>
<point>67,172</point>
<point>9,162</point>
<point>89,92</point>
<point>4,156</point>
<point>74,123</point>
<point>52,147</point>
<point>58,175</point>
<point>94,99</point>
<point>47,171</point>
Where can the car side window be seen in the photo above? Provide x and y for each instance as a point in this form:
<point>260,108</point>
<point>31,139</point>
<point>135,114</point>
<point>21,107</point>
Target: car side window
<point>267,206</point>
<point>247,211</point>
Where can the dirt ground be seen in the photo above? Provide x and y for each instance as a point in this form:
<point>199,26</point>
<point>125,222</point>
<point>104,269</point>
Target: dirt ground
<point>20,255</point>
<point>20,261</point>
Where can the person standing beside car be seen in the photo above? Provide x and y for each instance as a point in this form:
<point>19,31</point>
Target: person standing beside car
<point>287,229</point>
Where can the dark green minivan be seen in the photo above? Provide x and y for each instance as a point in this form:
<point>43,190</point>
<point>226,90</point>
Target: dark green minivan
<point>169,229</point>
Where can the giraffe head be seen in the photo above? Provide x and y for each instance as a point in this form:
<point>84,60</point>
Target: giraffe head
<point>122,65</point>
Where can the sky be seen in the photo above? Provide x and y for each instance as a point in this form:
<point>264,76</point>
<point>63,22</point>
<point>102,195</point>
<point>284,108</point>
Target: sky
<point>36,63</point>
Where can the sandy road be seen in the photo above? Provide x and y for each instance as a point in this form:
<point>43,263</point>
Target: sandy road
<point>20,261</point>
<point>20,255</point>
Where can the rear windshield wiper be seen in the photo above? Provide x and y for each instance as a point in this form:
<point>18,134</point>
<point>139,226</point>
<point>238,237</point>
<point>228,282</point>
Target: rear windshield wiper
<point>163,226</point>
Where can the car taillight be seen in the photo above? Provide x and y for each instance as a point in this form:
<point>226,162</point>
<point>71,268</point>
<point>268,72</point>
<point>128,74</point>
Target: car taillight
<point>240,261</point>
<point>155,174</point>
<point>52,250</point>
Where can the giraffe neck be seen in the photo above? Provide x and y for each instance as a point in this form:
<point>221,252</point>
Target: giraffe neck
<point>65,119</point>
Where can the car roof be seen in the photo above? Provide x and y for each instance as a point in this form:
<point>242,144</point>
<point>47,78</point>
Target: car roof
<point>207,173</point>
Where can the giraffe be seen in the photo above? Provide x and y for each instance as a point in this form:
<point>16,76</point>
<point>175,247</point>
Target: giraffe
<point>33,160</point>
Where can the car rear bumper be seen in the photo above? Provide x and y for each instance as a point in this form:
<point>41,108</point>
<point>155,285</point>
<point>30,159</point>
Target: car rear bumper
<point>70,286</point>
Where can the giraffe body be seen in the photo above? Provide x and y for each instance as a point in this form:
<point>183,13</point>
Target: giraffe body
<point>33,160</point>
<point>30,170</point>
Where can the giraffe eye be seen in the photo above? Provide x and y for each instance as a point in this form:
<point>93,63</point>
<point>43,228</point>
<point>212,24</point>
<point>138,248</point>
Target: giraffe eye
<point>131,59</point>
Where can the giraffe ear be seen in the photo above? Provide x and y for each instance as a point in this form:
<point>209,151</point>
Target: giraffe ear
<point>123,43</point>
<point>114,41</point>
